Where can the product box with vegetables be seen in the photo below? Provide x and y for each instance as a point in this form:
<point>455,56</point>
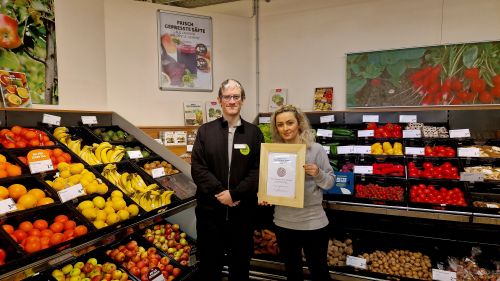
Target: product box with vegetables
<point>385,166</point>
<point>487,168</point>
<point>438,195</point>
<point>433,168</point>
<point>375,190</point>
<point>434,147</point>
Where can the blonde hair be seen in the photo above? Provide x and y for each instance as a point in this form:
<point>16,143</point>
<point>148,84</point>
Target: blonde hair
<point>306,135</point>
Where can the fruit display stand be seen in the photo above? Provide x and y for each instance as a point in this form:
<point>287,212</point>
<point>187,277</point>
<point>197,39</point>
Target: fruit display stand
<point>68,208</point>
<point>427,212</point>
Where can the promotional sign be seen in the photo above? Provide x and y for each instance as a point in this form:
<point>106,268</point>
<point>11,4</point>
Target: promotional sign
<point>185,52</point>
<point>344,184</point>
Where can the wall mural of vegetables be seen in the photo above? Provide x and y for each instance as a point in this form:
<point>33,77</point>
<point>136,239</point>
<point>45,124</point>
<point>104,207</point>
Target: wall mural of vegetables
<point>28,45</point>
<point>451,75</point>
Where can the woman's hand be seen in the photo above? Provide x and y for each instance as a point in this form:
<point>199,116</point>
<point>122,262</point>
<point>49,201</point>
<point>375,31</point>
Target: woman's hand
<point>311,169</point>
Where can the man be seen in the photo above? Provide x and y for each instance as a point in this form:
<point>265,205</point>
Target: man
<point>225,168</point>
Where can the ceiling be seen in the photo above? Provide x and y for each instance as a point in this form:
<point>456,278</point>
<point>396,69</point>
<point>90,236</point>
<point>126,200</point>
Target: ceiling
<point>188,3</point>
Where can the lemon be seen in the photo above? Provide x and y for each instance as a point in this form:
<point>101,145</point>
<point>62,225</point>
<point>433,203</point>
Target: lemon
<point>76,168</point>
<point>86,174</point>
<point>101,215</point>
<point>123,214</point>
<point>112,218</point>
<point>99,224</point>
<point>102,188</point>
<point>116,193</point>
<point>109,203</point>
<point>87,204</point>
<point>62,166</point>
<point>49,182</point>
<point>59,185</point>
<point>84,182</point>
<point>74,179</point>
<point>118,203</point>
<point>65,174</point>
<point>109,210</point>
<point>91,188</point>
<point>89,213</point>
<point>133,209</point>
<point>99,202</point>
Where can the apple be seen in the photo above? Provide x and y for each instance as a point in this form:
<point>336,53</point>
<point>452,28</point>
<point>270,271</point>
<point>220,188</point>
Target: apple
<point>120,257</point>
<point>164,260</point>
<point>124,277</point>
<point>151,251</point>
<point>132,245</point>
<point>9,38</point>
<point>171,243</point>
<point>178,246</point>
<point>144,255</point>
<point>169,268</point>
<point>136,258</point>
<point>168,231</point>
<point>136,271</point>
<point>92,261</point>
<point>170,278</point>
<point>157,227</point>
<point>185,256</point>
<point>141,249</point>
<point>183,234</point>
<point>184,262</point>
<point>144,270</point>
<point>107,277</point>
<point>117,274</point>
<point>144,277</point>
<point>108,267</point>
<point>164,247</point>
<point>171,250</point>
<point>183,241</point>
<point>161,266</point>
<point>75,272</point>
<point>177,236</point>
<point>96,278</point>
<point>176,271</point>
<point>165,273</point>
<point>87,268</point>
<point>175,227</point>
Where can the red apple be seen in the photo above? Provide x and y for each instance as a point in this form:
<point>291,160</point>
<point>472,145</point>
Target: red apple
<point>9,38</point>
<point>176,272</point>
<point>151,251</point>
<point>184,262</point>
<point>175,227</point>
<point>107,277</point>
<point>120,257</point>
<point>136,258</point>
<point>185,256</point>
<point>165,260</point>
<point>132,245</point>
<point>136,271</point>
<point>169,268</point>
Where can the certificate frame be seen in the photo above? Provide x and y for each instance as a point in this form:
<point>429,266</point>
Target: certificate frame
<point>298,149</point>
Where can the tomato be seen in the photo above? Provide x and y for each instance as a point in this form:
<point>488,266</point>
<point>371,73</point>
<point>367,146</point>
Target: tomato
<point>427,150</point>
<point>485,97</point>
<point>427,165</point>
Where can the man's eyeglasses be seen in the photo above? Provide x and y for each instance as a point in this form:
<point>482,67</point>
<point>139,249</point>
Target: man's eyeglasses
<point>229,97</point>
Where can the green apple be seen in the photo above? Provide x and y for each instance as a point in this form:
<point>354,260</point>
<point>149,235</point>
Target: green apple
<point>79,265</point>
<point>92,261</point>
<point>75,272</point>
<point>67,269</point>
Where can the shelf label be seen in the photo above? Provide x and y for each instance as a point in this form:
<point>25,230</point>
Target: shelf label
<point>39,161</point>
<point>356,262</point>
<point>264,120</point>
<point>134,154</point>
<point>324,133</point>
<point>414,150</point>
<point>493,206</point>
<point>158,172</point>
<point>471,177</point>
<point>407,118</point>
<point>159,141</point>
<point>327,149</point>
<point>412,134</point>
<point>51,119</point>
<point>443,275</point>
<point>7,205</point>
<point>468,152</point>
<point>361,149</point>
<point>363,170</point>
<point>155,275</point>
<point>89,120</point>
<point>71,192</point>
<point>189,148</point>
<point>327,119</point>
<point>370,118</point>
<point>366,133</point>
<point>460,133</point>
<point>345,149</point>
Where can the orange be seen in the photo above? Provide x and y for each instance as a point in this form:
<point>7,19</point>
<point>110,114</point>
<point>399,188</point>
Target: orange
<point>61,218</point>
<point>26,226</point>
<point>3,174</point>
<point>67,156</point>
<point>60,159</point>
<point>20,207</point>
<point>69,233</point>
<point>16,191</point>
<point>45,201</point>
<point>57,152</point>
<point>80,230</point>
<point>4,193</point>
<point>40,224</point>
<point>27,201</point>
<point>46,233</point>
<point>56,238</point>
<point>71,224</point>
<point>37,192</point>
<point>14,171</point>
<point>57,227</point>
<point>8,228</point>
<point>3,159</point>
<point>32,247</point>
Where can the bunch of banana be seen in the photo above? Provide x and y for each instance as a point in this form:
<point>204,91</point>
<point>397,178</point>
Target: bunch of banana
<point>108,153</point>
<point>151,200</point>
<point>88,156</point>
<point>61,133</point>
<point>74,145</point>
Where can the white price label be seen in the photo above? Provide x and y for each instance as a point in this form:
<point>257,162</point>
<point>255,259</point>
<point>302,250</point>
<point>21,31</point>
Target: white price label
<point>410,134</point>
<point>493,206</point>
<point>443,275</point>
<point>356,262</point>
<point>189,148</point>
<point>158,172</point>
<point>264,120</point>
<point>366,133</point>
<point>41,166</point>
<point>362,149</point>
<point>327,118</point>
<point>134,154</point>
<point>71,192</point>
<point>51,119</point>
<point>460,133</point>
<point>89,120</point>
<point>327,149</point>
<point>468,152</point>
<point>155,275</point>
<point>370,118</point>
<point>7,205</point>
<point>414,150</point>
<point>324,133</point>
<point>407,118</point>
<point>345,149</point>
<point>471,177</point>
<point>363,170</point>
<point>159,141</point>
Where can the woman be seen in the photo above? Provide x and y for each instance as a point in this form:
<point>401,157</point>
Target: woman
<point>303,228</point>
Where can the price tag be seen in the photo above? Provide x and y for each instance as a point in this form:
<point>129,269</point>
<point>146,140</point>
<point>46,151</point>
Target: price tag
<point>134,154</point>
<point>71,192</point>
<point>356,262</point>
<point>41,166</point>
<point>460,133</point>
<point>366,133</point>
<point>345,149</point>
<point>327,119</point>
<point>324,133</point>
<point>264,120</point>
<point>158,172</point>
<point>363,170</point>
<point>370,118</point>
<point>159,141</point>
<point>443,275</point>
<point>411,134</point>
<point>414,150</point>
<point>407,118</point>
<point>327,149</point>
<point>189,148</point>
<point>155,275</point>
<point>468,152</point>
<point>51,119</point>
<point>493,206</point>
<point>7,205</point>
<point>471,177</point>
<point>362,149</point>
<point>89,120</point>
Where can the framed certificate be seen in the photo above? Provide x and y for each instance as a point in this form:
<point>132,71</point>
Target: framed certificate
<point>281,180</point>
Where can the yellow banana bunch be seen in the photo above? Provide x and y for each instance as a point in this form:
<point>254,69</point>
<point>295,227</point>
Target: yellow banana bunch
<point>88,155</point>
<point>100,151</point>
<point>60,133</point>
<point>74,145</point>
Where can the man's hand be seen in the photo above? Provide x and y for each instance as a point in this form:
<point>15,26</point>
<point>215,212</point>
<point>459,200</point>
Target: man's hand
<point>225,198</point>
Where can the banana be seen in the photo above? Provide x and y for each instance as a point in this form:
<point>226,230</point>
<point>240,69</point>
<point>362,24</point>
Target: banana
<point>116,155</point>
<point>103,155</point>
<point>123,179</point>
<point>74,145</point>
<point>100,147</point>
<point>60,132</point>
